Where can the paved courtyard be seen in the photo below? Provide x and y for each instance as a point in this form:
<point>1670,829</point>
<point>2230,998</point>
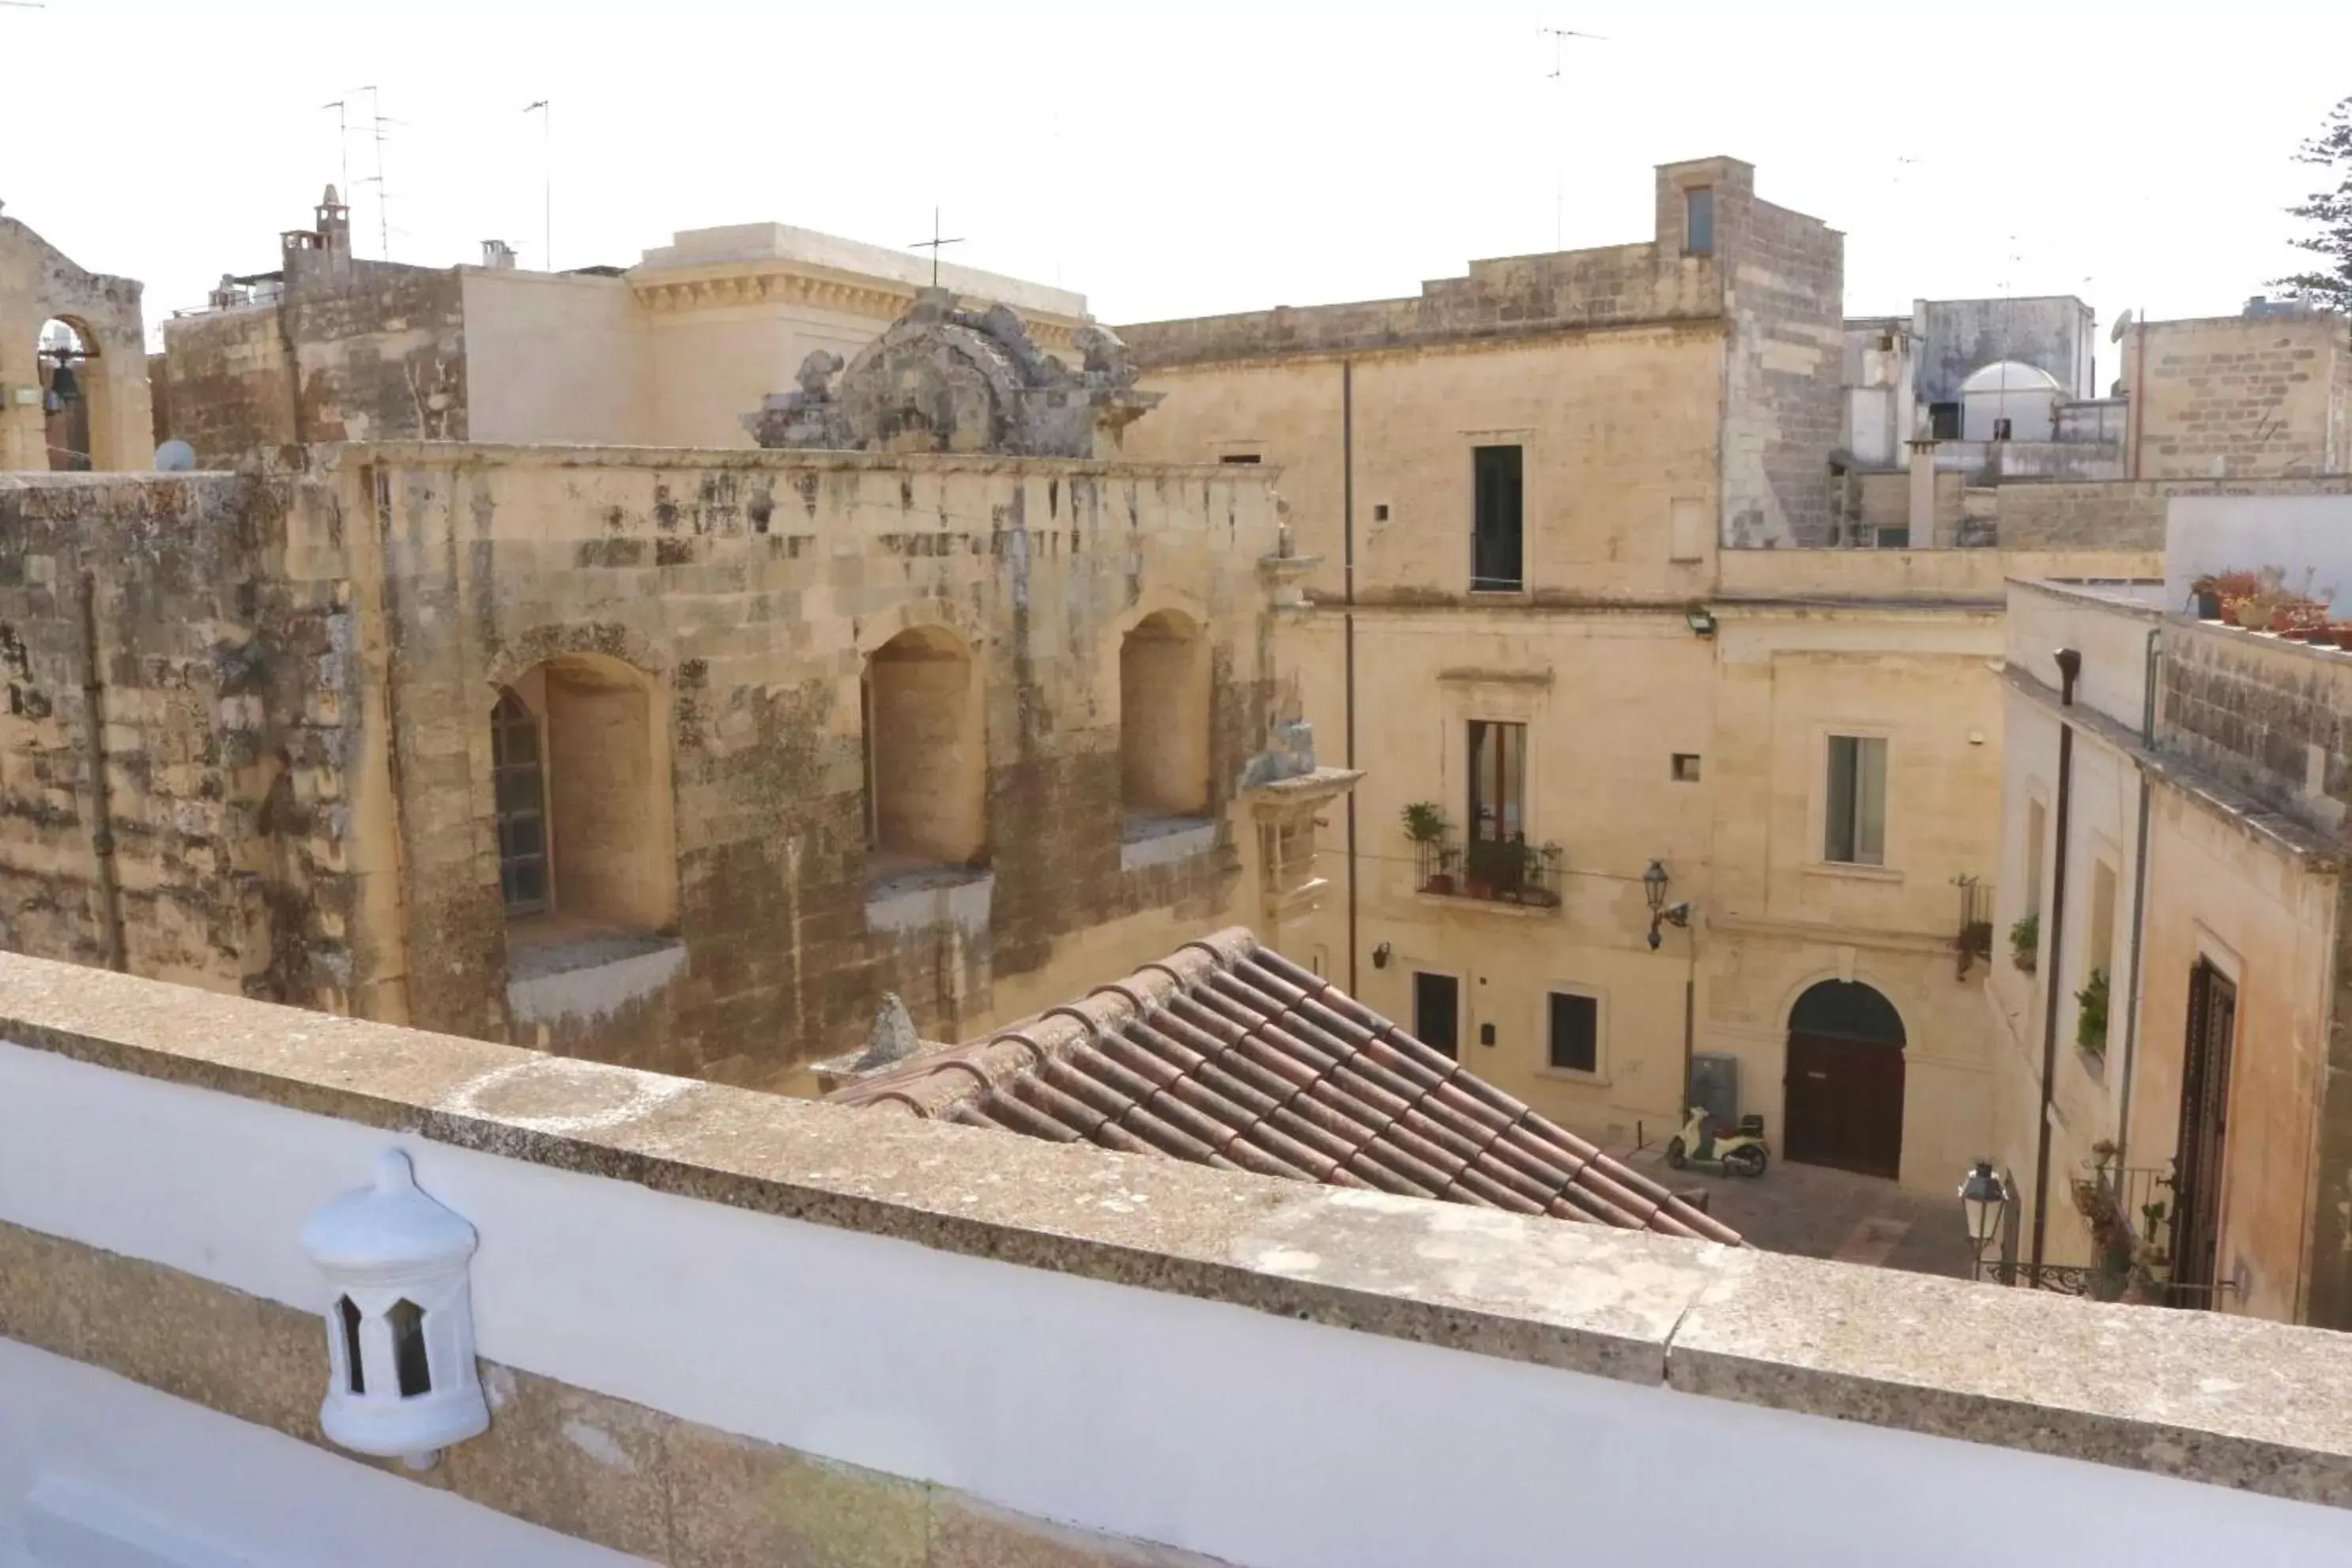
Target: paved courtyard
<point>1820,1213</point>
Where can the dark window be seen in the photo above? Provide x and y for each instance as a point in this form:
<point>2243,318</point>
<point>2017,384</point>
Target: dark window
<point>1855,819</point>
<point>1379,511</point>
<point>1892,539</point>
<point>1575,1033</point>
<point>1244,458</point>
<point>408,1358</point>
<point>1686,767</point>
<point>1944,421</point>
<point>1496,566</point>
<point>521,804</point>
<point>1698,234</point>
<point>2000,428</point>
<point>347,1313</point>
<point>1437,1013</point>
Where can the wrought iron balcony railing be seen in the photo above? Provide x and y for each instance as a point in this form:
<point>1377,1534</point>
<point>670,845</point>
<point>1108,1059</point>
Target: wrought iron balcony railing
<point>1499,871</point>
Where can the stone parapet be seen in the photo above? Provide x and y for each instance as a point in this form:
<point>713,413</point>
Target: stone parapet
<point>2252,1406</point>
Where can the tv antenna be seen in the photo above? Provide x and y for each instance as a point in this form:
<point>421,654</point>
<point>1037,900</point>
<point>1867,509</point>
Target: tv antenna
<point>376,123</point>
<point>1559,75</point>
<point>932,245</point>
<point>547,179</point>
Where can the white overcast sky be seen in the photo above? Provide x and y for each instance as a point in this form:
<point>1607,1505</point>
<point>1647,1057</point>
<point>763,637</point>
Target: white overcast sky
<point>1190,158</point>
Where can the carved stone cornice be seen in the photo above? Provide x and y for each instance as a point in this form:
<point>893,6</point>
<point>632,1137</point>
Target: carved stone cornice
<point>735,284</point>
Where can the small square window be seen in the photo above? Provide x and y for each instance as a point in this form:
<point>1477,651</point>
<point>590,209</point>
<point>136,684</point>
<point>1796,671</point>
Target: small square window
<point>1575,1045</point>
<point>1686,767</point>
<point>1379,511</point>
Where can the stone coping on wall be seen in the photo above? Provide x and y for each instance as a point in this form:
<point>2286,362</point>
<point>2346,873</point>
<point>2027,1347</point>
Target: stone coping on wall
<point>2315,850</point>
<point>2204,1396</point>
<point>475,455</point>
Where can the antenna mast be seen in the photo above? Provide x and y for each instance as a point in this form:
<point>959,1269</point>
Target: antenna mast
<point>1560,36</point>
<point>546,180</point>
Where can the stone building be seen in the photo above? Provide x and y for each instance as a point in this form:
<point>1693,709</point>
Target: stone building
<point>73,363</point>
<point>2173,990</point>
<point>675,757</point>
<point>330,346</point>
<point>1661,786</point>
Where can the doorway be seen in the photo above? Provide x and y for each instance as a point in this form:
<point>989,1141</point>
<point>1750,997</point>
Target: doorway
<point>2204,1117</point>
<point>1437,1013</point>
<point>1844,1100</point>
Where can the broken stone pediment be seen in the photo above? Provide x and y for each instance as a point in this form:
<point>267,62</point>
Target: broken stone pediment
<point>946,380</point>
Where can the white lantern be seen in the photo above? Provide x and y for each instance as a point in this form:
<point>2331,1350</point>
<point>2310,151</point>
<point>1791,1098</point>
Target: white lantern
<point>400,1330</point>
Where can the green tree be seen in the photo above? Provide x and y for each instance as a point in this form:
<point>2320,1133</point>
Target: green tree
<point>2330,214</point>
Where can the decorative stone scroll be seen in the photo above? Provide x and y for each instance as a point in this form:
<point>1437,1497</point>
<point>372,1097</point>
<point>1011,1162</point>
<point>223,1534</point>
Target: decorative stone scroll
<point>947,379</point>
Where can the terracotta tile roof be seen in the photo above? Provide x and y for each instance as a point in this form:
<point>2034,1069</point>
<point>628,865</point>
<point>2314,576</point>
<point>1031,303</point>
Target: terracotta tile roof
<point>1227,1054</point>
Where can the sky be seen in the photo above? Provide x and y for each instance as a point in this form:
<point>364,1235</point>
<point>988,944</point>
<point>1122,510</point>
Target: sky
<point>1186,159</point>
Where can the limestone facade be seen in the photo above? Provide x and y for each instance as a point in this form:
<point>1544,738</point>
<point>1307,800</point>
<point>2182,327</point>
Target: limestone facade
<point>1665,692</point>
<point>680,759</point>
<point>2204,854</point>
<point>105,423</point>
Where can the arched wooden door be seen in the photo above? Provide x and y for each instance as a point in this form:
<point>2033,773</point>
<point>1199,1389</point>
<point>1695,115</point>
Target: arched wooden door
<point>1845,1102</point>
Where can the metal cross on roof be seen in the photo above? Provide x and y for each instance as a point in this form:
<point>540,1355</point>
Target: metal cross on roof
<point>932,245</point>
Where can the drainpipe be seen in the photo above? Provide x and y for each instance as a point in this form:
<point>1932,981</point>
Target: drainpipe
<point>1347,628</point>
<point>2070,669</point>
<point>2139,895</point>
<point>102,833</point>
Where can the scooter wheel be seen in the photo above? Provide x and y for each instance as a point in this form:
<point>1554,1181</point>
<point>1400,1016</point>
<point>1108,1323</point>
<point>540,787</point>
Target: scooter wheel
<point>1676,1155</point>
<point>1747,1163</point>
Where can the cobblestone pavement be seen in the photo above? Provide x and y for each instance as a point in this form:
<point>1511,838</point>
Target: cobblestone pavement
<point>1819,1213</point>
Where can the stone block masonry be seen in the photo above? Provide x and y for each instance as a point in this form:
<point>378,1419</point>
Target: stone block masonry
<point>285,734</point>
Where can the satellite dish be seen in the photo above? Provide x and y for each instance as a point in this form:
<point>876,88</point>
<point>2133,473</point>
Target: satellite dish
<point>175,458</point>
<point>2123,325</point>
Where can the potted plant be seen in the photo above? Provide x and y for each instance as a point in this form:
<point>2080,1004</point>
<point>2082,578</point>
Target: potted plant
<point>2025,943</point>
<point>1425,824</point>
<point>2091,1015</point>
<point>2340,634</point>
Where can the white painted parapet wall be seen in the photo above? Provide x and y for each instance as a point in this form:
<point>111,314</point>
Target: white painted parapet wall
<point>1258,1372</point>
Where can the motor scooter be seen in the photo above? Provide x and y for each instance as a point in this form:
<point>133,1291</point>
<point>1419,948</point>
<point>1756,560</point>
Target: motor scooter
<point>1700,1142</point>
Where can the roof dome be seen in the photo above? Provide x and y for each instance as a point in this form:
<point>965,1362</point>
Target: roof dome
<point>2009,375</point>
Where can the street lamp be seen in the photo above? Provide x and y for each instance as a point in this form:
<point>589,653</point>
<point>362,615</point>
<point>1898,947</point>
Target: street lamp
<point>1983,1196</point>
<point>1653,890</point>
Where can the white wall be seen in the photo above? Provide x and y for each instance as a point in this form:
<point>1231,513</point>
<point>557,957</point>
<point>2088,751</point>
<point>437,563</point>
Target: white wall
<point>2307,537</point>
<point>100,1472</point>
<point>555,359</point>
<point>1258,1439</point>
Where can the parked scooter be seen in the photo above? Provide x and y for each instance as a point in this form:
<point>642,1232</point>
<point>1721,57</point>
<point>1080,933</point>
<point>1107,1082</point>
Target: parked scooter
<point>1740,1154</point>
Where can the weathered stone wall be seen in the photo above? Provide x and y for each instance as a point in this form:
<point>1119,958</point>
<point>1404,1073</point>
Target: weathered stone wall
<point>1508,297</point>
<point>2096,514</point>
<point>2241,397</point>
<point>2270,716</point>
<point>299,672</point>
<point>752,590</point>
<point>376,352</point>
<point>1784,404</point>
<point>173,751</point>
<point>1956,337</point>
<point>228,382</point>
